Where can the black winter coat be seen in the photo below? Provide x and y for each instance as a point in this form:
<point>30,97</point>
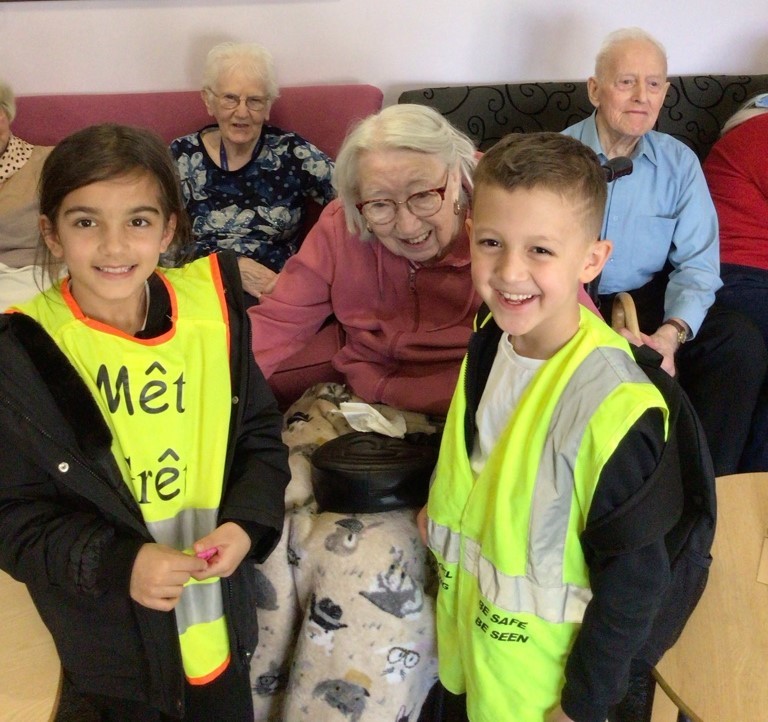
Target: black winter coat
<point>70,529</point>
<point>627,588</point>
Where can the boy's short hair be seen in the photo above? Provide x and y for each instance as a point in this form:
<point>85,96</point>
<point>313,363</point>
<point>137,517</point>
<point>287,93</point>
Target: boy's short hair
<point>550,161</point>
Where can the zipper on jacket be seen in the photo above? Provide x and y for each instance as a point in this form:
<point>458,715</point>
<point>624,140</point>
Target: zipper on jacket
<point>412,269</point>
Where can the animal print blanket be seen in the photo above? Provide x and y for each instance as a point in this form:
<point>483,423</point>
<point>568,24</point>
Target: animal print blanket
<point>346,602</point>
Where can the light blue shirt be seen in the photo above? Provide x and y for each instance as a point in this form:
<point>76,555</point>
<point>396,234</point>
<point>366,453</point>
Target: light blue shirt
<point>661,211</point>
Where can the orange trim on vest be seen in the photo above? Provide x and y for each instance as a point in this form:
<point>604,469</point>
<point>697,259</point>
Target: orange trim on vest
<point>205,679</point>
<point>69,299</point>
<point>219,284</point>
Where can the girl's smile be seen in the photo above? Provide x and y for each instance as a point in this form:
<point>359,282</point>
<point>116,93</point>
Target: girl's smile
<point>110,235</point>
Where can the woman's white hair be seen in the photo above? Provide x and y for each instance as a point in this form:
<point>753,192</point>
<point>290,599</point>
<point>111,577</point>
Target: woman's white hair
<point>7,101</point>
<point>622,35</point>
<point>399,127</point>
<point>747,111</point>
<point>251,58</point>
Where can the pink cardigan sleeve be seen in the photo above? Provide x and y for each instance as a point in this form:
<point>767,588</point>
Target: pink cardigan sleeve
<point>301,300</point>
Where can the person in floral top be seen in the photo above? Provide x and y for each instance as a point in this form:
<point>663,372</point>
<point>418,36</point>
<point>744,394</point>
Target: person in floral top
<point>245,183</point>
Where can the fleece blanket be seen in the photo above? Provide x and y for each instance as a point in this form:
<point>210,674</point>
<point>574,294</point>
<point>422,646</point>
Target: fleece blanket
<point>346,602</point>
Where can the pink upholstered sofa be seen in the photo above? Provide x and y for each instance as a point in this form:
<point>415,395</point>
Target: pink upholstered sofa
<point>320,113</point>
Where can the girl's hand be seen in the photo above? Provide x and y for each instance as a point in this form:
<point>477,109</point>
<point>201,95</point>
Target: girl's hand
<point>232,544</point>
<point>159,574</point>
<point>256,279</point>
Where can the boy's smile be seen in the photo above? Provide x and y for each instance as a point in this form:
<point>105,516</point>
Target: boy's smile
<point>530,252</point>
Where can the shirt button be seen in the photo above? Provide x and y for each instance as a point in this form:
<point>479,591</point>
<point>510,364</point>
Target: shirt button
<point>63,467</point>
<point>235,400</point>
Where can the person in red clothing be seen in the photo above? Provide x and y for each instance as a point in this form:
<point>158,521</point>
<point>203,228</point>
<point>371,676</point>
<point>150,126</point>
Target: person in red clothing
<point>349,624</point>
<point>390,260</point>
<point>737,175</point>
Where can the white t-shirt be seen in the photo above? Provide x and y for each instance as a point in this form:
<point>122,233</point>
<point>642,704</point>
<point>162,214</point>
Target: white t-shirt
<point>509,377</point>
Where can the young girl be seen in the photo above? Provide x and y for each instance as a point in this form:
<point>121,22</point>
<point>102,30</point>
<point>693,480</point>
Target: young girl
<point>141,461</point>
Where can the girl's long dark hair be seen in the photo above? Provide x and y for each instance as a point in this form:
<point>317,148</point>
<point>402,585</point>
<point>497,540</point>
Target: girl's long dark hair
<point>104,152</point>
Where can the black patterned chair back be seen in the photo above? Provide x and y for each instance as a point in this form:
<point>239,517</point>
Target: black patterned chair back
<point>695,109</point>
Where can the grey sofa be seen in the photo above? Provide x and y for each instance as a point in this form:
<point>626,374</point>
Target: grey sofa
<point>694,110</point>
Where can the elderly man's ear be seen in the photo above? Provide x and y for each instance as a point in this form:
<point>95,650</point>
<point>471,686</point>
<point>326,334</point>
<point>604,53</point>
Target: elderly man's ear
<point>592,84</point>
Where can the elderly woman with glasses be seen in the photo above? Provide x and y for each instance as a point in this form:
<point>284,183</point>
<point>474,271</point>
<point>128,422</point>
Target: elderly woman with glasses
<point>347,610</point>
<point>390,259</point>
<point>347,602</point>
<point>346,620</point>
<point>246,182</point>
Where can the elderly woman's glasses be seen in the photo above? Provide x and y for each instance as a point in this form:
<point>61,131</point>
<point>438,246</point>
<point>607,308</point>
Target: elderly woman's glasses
<point>228,101</point>
<point>423,204</point>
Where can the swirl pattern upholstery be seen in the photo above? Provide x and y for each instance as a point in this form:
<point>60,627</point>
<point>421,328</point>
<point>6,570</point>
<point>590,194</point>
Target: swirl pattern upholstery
<point>694,111</point>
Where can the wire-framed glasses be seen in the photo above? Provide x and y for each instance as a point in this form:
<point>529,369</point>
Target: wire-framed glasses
<point>230,101</point>
<point>423,204</point>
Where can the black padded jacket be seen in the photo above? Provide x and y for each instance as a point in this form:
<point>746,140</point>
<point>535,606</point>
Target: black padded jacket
<point>627,588</point>
<point>70,529</point>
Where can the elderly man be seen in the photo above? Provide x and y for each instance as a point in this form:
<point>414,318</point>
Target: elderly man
<point>666,251</point>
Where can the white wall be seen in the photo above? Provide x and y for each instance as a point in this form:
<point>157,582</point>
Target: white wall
<point>122,45</point>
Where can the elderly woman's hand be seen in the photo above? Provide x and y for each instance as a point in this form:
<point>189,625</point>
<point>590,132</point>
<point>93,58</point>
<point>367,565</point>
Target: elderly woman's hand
<point>257,279</point>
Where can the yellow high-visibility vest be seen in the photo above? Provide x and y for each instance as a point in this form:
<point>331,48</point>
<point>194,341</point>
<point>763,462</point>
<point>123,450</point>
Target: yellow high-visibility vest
<point>513,580</point>
<point>167,402</point>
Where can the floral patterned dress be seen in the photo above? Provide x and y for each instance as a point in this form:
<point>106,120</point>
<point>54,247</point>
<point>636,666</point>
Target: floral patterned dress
<point>257,210</point>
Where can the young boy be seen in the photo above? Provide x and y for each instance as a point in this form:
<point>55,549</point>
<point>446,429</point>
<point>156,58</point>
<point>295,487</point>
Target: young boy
<point>552,427</point>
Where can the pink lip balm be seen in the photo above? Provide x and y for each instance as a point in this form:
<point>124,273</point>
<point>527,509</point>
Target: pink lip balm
<point>207,553</point>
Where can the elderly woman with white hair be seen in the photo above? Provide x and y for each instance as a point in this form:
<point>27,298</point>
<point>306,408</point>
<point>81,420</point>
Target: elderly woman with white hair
<point>245,182</point>
<point>346,617</point>
<point>20,165</point>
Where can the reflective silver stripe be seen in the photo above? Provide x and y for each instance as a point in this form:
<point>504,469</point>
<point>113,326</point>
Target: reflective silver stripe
<point>541,591</point>
<point>563,603</point>
<point>444,542</point>
<point>199,603</point>
<point>184,529</point>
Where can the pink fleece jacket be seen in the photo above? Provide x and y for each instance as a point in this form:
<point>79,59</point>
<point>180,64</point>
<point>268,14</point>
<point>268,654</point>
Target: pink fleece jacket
<point>407,326</point>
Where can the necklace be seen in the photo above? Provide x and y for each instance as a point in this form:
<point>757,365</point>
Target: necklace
<point>146,305</point>
<point>224,161</point>
<point>146,302</point>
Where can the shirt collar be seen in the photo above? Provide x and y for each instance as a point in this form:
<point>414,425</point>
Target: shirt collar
<point>645,146</point>
<point>15,155</point>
